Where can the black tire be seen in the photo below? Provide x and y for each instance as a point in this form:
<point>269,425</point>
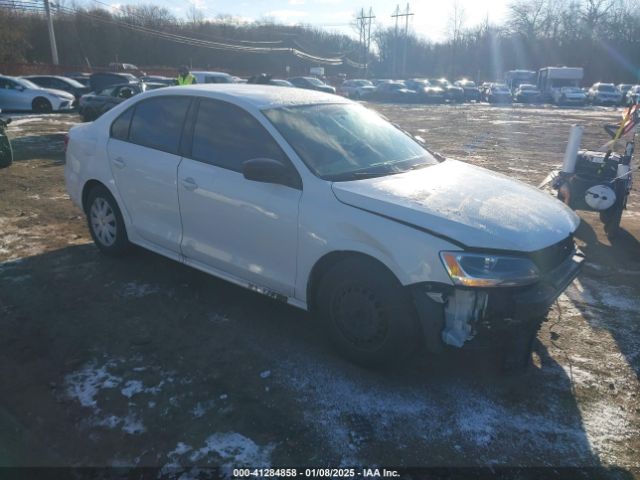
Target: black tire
<point>612,217</point>
<point>106,218</point>
<point>41,105</point>
<point>516,357</point>
<point>370,317</point>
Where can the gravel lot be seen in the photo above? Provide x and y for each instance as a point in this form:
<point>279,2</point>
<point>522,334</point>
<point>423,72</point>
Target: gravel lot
<point>143,361</point>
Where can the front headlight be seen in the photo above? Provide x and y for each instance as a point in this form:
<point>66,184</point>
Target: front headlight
<point>488,270</point>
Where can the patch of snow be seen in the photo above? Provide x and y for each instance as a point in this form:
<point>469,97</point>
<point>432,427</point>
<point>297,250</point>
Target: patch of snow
<point>138,290</point>
<point>131,388</point>
<point>265,374</point>
<point>133,425</point>
<point>234,449</point>
<point>85,384</point>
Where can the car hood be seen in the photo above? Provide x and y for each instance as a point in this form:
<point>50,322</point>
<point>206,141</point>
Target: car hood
<point>467,204</point>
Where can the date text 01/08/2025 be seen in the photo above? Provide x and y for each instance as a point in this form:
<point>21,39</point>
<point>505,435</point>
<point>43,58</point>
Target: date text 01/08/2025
<point>314,472</point>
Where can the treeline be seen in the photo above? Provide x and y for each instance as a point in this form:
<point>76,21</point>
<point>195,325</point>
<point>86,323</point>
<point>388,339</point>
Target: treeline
<point>603,36</point>
<point>150,36</point>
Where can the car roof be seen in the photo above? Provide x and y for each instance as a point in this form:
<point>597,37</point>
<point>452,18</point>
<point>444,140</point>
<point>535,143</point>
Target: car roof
<point>253,95</point>
<point>205,72</point>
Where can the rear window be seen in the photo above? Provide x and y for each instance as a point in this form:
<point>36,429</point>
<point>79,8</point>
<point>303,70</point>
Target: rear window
<point>120,126</point>
<point>157,122</point>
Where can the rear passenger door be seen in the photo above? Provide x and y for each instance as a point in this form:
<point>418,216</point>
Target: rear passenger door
<point>144,159</point>
<point>247,230</point>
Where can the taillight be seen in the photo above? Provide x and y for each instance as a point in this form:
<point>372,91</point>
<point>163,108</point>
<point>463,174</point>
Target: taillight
<point>66,141</point>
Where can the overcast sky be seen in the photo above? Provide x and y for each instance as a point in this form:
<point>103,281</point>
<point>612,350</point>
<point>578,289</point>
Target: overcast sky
<point>430,19</point>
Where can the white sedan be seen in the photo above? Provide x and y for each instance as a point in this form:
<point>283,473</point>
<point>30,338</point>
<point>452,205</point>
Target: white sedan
<point>19,94</point>
<point>317,201</point>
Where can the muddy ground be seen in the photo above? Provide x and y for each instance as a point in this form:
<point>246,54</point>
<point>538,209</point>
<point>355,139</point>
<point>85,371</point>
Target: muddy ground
<point>143,361</point>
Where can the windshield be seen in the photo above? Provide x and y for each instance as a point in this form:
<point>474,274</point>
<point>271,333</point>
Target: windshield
<point>26,83</point>
<point>526,87</point>
<point>340,142</point>
<point>606,88</point>
<point>314,81</point>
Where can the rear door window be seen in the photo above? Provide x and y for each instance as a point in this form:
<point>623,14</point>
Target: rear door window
<point>157,122</point>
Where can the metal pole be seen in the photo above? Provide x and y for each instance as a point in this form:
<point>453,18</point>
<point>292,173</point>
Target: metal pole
<point>395,41</point>
<point>52,35</point>
<point>406,39</point>
<point>366,55</point>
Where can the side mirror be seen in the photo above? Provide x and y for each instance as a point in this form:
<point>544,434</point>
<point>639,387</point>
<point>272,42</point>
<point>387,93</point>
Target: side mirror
<point>267,170</point>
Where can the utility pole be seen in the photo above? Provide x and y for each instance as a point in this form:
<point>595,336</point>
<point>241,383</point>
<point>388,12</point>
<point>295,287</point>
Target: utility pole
<point>52,35</point>
<point>364,23</point>
<point>395,40</point>
<point>368,45</point>
<point>361,27</point>
<point>406,40</point>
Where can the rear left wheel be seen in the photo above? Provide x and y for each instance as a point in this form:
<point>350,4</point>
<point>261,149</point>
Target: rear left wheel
<point>105,222</point>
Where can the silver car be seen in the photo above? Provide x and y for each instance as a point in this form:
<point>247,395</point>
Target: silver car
<point>19,94</point>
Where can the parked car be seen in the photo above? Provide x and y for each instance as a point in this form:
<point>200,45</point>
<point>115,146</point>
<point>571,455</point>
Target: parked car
<point>356,88</point>
<point>471,90</point>
<point>80,77</point>
<point>569,96</point>
<point>604,94</point>
<point>212,77</point>
<point>264,79</point>
<point>19,94</point>
<point>60,83</point>
<point>93,105</point>
<point>425,92</point>
<point>451,92</point>
<point>279,82</point>
<point>101,80</point>
<point>311,83</point>
<point>126,68</point>
<point>168,81</point>
<point>633,95</point>
<point>484,88</point>
<point>396,92</point>
<point>624,88</point>
<point>526,93</point>
<point>498,93</point>
<point>317,201</point>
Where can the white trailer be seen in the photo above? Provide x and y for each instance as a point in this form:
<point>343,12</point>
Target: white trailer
<point>552,79</point>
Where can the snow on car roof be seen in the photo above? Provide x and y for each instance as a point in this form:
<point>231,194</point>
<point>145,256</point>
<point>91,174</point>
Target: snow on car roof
<point>257,96</point>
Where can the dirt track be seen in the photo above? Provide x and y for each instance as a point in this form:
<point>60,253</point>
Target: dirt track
<point>143,361</point>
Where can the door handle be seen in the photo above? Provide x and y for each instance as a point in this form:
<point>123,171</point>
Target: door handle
<point>189,184</point>
<point>119,162</point>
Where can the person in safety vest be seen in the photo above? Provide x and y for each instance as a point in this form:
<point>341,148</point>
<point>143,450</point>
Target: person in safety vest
<point>184,77</point>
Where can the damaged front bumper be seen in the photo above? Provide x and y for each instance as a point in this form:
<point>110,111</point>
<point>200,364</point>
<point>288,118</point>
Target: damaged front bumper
<point>481,317</point>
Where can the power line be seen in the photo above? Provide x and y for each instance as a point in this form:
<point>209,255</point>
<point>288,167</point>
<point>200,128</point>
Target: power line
<point>209,44</point>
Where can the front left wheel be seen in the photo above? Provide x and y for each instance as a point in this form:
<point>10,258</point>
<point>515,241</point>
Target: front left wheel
<point>41,105</point>
<point>105,221</point>
<point>370,317</point>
